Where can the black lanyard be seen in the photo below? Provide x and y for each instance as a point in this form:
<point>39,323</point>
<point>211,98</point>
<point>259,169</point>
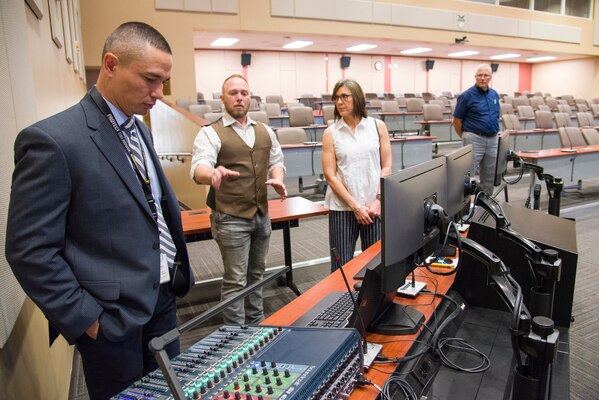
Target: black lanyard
<point>144,181</point>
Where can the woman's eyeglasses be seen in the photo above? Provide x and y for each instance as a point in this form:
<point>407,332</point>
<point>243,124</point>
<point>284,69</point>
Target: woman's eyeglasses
<point>344,97</point>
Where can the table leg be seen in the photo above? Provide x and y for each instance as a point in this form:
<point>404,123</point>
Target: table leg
<point>287,251</point>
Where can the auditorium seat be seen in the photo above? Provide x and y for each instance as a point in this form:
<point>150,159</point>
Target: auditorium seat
<point>300,116</point>
<point>272,109</point>
<point>291,135</point>
<point>215,104</point>
<point>200,109</point>
<point>562,120</point>
<point>511,122</point>
<point>525,111</point>
<point>506,108</point>
<point>275,99</point>
<point>564,108</point>
<point>591,136</point>
<point>414,104</point>
<point>328,114</point>
<point>212,116</point>
<point>585,119</point>
<point>552,103</point>
<point>571,136</point>
<point>432,112</point>
<point>259,116</point>
<point>389,106</point>
<point>543,120</point>
<point>536,101</point>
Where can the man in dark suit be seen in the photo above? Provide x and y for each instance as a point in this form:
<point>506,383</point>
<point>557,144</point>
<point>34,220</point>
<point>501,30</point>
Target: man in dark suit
<point>94,229</point>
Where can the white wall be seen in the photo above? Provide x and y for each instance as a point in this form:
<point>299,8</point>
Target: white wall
<point>579,78</point>
<point>292,74</point>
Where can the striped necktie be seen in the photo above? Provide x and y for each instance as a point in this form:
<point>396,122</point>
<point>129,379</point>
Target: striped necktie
<point>167,246</point>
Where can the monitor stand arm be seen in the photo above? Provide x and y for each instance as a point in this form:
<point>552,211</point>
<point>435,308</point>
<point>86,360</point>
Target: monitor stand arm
<point>536,338</point>
<point>545,264</point>
<point>554,185</point>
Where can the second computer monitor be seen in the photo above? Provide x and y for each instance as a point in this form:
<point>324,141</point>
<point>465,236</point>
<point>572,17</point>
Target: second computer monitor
<point>459,164</point>
<point>408,235</point>
<point>503,150</point>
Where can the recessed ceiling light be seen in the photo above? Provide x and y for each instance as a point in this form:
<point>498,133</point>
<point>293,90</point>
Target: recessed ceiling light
<point>224,42</point>
<point>463,53</point>
<point>545,58</point>
<point>361,47</point>
<point>298,44</point>
<point>504,56</point>
<point>416,50</point>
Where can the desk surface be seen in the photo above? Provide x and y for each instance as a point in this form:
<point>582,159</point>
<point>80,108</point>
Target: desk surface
<point>560,152</point>
<point>198,221</point>
<point>532,131</point>
<point>393,346</point>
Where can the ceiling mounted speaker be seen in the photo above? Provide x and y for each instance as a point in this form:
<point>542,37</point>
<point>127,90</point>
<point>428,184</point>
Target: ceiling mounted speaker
<point>344,61</point>
<point>494,67</point>
<point>246,59</point>
<point>429,64</point>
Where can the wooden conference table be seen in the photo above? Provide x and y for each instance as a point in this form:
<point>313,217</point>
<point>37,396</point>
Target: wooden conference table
<point>393,346</point>
<point>571,165</point>
<point>283,215</point>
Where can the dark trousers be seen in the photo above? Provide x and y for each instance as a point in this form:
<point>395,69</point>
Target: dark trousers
<point>111,367</point>
<point>344,230</point>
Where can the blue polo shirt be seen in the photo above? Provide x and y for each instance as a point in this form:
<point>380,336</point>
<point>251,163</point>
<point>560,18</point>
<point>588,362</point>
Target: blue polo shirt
<point>479,111</point>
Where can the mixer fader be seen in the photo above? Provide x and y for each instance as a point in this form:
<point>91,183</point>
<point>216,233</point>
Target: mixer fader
<point>261,363</point>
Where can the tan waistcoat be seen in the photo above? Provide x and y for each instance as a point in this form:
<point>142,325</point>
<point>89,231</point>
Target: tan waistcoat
<point>244,196</point>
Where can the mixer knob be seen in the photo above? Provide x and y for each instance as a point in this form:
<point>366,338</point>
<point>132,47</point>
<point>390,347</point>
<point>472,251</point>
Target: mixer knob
<point>246,378</point>
<point>226,394</point>
<point>265,371</point>
<point>237,396</point>
<point>236,385</point>
<point>270,390</point>
<point>287,373</point>
<point>248,387</point>
<point>258,389</point>
<point>279,382</point>
<point>273,364</point>
<point>267,380</point>
<point>275,372</point>
<point>222,372</point>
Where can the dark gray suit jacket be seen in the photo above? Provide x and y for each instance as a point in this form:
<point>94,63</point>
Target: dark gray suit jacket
<point>81,238</point>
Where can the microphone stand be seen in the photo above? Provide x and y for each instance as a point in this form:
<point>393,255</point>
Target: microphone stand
<point>337,259</point>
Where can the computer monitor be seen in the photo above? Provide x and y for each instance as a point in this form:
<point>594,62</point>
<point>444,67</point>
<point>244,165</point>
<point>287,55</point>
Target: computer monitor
<point>503,150</point>
<point>409,235</point>
<point>459,164</point>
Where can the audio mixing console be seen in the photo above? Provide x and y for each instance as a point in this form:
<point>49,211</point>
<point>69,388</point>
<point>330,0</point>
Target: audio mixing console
<point>261,363</point>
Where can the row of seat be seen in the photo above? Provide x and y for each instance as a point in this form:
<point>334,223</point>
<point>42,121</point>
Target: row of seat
<point>547,120</point>
<point>571,136</point>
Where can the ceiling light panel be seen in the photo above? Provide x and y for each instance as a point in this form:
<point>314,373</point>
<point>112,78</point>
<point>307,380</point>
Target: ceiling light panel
<point>463,53</point>
<point>362,47</point>
<point>544,58</point>
<point>298,44</point>
<point>504,56</point>
<point>416,50</point>
<point>224,42</point>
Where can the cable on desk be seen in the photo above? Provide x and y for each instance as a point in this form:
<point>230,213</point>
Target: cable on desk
<point>361,380</point>
<point>405,388</point>
<point>463,347</point>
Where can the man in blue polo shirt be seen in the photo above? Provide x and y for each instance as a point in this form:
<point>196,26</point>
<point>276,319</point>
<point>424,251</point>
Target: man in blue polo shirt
<point>476,121</point>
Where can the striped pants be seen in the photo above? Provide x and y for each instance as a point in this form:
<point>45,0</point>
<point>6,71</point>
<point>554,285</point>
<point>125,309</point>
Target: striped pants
<point>344,230</point>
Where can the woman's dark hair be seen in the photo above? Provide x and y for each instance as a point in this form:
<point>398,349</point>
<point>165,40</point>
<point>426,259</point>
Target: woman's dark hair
<point>357,95</point>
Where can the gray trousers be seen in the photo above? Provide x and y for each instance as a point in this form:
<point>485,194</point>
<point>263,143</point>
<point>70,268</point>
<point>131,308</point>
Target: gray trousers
<point>484,156</point>
<point>243,245</point>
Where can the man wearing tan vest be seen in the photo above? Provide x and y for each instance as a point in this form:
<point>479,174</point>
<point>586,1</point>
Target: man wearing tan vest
<point>235,155</point>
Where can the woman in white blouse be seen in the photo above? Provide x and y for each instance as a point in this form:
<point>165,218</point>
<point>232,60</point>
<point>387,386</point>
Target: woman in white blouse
<point>356,152</point>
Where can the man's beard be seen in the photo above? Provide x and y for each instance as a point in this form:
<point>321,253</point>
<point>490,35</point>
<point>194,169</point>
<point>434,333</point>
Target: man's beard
<point>237,113</point>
